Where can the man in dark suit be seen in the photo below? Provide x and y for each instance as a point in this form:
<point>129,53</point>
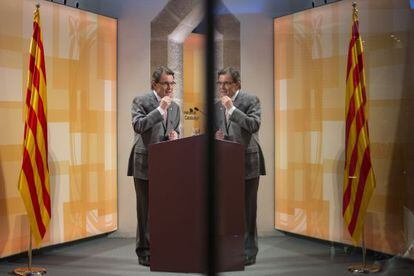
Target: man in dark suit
<point>155,118</point>
<point>238,119</point>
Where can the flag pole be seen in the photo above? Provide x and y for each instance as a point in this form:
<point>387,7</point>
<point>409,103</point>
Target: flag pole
<point>30,251</point>
<point>364,268</point>
<point>355,93</point>
<point>364,249</point>
<point>29,270</point>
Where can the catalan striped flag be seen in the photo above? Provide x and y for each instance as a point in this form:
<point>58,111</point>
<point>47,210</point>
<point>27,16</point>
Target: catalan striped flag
<point>359,179</point>
<point>34,175</point>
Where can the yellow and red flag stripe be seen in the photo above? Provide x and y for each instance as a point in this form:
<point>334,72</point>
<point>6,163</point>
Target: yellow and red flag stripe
<point>359,179</point>
<point>33,184</point>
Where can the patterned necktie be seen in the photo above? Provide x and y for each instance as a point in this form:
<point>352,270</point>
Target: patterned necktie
<point>226,115</point>
<point>165,113</point>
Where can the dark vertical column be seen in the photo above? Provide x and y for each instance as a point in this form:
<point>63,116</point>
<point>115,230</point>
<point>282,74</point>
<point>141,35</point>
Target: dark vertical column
<point>210,152</point>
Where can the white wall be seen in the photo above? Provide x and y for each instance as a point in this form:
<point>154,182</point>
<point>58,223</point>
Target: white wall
<point>134,19</point>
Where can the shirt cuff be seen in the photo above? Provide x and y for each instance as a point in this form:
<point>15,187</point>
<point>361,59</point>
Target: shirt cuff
<point>162,111</point>
<point>230,111</point>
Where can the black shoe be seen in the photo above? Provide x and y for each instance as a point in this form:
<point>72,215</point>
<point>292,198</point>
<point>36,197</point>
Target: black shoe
<point>145,260</point>
<point>249,260</point>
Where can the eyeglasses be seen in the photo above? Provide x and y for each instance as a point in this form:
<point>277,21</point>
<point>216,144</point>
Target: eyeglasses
<point>225,83</point>
<point>166,83</point>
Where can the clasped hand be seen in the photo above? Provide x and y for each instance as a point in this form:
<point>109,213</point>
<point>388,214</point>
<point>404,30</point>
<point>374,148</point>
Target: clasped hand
<point>219,134</point>
<point>172,135</point>
<point>226,102</point>
<point>165,102</point>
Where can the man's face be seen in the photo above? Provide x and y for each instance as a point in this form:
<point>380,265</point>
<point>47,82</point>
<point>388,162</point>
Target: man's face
<point>226,86</point>
<point>165,86</point>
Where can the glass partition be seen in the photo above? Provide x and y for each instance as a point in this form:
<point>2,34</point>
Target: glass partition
<point>310,69</point>
<point>80,56</point>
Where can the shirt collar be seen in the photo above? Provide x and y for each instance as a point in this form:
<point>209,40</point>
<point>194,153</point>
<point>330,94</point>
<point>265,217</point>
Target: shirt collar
<point>235,95</point>
<point>156,95</point>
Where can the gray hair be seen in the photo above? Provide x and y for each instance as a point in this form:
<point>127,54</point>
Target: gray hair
<point>233,72</point>
<point>156,75</point>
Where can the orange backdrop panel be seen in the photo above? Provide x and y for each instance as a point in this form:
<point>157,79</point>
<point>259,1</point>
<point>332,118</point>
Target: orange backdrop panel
<point>193,96</point>
<point>310,69</point>
<point>80,50</point>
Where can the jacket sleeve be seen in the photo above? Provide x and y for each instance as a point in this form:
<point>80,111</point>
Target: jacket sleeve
<point>250,119</point>
<point>142,120</point>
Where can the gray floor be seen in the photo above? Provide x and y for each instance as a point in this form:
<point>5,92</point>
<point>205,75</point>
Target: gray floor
<point>279,255</point>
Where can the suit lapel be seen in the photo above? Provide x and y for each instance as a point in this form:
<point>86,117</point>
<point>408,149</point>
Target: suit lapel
<point>153,100</point>
<point>236,104</point>
<point>169,114</point>
<point>221,119</point>
<point>155,104</point>
<point>238,99</point>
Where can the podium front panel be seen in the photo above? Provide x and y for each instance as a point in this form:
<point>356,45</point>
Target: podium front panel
<point>177,206</point>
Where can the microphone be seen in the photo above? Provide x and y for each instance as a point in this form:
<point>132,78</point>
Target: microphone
<point>202,112</point>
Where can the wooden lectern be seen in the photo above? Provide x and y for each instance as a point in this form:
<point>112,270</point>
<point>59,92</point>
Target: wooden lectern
<point>177,205</point>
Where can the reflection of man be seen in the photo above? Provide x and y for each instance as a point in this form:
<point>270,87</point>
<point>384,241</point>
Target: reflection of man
<point>238,119</point>
<point>155,118</point>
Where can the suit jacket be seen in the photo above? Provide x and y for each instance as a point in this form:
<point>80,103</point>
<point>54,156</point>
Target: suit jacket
<point>149,128</point>
<point>243,127</point>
